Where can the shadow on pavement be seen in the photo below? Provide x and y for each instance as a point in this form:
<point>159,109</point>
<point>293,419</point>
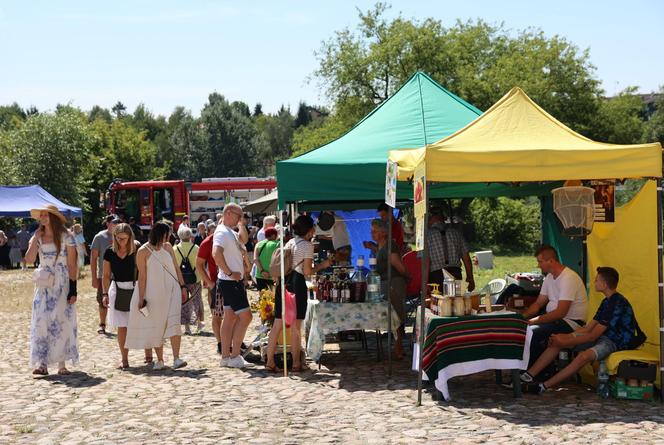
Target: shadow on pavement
<point>77,379</point>
<point>186,372</point>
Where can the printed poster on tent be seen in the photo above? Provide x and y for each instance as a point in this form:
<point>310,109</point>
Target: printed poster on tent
<point>419,190</point>
<point>391,184</point>
<point>419,234</point>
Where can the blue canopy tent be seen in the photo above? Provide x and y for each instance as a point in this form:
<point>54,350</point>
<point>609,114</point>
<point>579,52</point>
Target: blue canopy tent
<point>17,200</point>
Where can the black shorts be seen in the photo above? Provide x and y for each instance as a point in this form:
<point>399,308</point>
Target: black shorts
<point>235,295</point>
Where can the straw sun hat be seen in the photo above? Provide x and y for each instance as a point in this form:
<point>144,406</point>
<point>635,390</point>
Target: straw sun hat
<point>50,208</point>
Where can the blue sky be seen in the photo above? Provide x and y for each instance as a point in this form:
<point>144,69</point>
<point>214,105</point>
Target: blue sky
<point>167,53</point>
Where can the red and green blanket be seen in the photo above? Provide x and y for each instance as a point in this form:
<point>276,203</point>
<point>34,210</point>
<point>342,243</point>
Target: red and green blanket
<point>464,339</point>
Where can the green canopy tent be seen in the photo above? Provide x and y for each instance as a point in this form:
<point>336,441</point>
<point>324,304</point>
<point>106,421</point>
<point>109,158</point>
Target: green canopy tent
<point>352,167</point>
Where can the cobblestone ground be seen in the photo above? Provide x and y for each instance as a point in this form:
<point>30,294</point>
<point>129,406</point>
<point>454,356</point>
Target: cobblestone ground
<point>350,400</point>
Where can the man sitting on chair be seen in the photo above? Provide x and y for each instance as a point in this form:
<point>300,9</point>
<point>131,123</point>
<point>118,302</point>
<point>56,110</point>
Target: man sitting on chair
<point>612,329</point>
<point>564,296</point>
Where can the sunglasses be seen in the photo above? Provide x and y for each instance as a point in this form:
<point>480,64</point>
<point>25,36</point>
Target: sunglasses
<point>122,238</point>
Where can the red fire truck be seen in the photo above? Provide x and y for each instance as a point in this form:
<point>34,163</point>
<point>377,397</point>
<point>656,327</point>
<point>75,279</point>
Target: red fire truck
<point>150,201</point>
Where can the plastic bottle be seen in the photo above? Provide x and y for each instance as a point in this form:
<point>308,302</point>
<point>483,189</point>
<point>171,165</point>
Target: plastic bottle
<point>359,286</point>
<point>373,282</point>
<point>603,381</point>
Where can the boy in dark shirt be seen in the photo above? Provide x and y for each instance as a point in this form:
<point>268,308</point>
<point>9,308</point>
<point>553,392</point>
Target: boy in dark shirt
<point>611,329</point>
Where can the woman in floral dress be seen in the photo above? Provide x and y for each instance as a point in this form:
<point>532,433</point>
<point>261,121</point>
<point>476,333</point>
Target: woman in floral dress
<point>53,331</point>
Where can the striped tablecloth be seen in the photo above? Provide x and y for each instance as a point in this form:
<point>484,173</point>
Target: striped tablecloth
<point>456,346</point>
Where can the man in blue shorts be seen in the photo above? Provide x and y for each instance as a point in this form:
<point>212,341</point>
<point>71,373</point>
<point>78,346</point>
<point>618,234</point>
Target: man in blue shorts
<point>611,329</point>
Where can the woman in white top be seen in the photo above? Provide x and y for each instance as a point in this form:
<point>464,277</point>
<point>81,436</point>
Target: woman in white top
<point>161,290</point>
<point>303,266</point>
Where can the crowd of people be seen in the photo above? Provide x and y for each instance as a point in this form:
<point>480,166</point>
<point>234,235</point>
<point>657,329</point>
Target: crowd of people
<point>147,291</point>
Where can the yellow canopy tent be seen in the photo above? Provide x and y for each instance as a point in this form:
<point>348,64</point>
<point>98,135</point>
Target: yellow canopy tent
<point>517,141</point>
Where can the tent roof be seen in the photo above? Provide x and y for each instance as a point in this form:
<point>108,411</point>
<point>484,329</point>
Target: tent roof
<point>517,141</point>
<point>352,167</point>
<point>264,204</point>
<point>17,201</point>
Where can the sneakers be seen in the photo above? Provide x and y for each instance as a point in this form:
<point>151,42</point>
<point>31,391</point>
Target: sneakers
<point>199,328</point>
<point>239,363</point>
<point>158,366</point>
<point>179,363</point>
<point>533,388</point>
<point>526,378</point>
<point>224,362</point>
<point>187,330</point>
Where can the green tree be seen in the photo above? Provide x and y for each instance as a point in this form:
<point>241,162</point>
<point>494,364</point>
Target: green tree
<point>142,119</point>
<point>618,120</point>
<point>119,109</point>
<point>53,150</point>
<point>480,62</point>
<point>11,116</point>
<point>189,154</point>
<point>98,112</point>
<point>654,128</point>
<point>258,110</point>
<point>505,224</point>
<point>303,116</point>
<point>231,136</point>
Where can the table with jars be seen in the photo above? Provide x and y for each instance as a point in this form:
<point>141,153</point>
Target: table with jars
<point>464,337</point>
<point>346,299</point>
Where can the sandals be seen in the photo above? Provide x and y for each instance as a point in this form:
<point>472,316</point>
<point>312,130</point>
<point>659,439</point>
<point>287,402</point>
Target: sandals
<point>297,368</point>
<point>101,329</point>
<point>40,371</point>
<point>273,369</point>
<point>123,365</point>
<point>148,360</point>
<point>64,371</point>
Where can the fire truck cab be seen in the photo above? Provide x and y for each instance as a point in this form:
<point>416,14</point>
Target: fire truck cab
<point>148,201</point>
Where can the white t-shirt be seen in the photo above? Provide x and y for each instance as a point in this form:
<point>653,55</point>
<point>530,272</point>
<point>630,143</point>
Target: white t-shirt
<point>228,240</point>
<point>260,236</point>
<point>568,286</point>
<point>338,233</point>
<point>303,251</point>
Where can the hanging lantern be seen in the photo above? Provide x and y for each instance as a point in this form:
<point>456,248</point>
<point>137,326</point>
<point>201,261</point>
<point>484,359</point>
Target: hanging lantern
<point>575,208</point>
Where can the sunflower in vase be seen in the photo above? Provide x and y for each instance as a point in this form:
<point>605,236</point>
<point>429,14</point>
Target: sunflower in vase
<point>266,306</point>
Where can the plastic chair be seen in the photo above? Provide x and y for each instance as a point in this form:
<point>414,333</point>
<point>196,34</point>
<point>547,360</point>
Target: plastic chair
<point>414,266</point>
<point>494,287</point>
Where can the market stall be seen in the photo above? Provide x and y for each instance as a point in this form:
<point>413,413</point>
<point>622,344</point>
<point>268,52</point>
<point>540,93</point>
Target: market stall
<point>517,142</point>
<point>349,172</point>
<point>463,345</point>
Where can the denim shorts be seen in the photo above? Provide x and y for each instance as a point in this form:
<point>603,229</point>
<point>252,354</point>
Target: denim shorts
<point>602,347</point>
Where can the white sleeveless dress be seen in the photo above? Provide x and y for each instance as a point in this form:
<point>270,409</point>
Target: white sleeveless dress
<point>164,300</point>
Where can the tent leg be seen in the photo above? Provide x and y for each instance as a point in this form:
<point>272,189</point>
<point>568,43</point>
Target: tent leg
<point>423,296</point>
<point>389,291</point>
<point>660,287</point>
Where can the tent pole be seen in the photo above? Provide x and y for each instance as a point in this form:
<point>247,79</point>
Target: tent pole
<point>389,291</point>
<point>660,286</point>
<point>423,295</point>
<point>283,293</point>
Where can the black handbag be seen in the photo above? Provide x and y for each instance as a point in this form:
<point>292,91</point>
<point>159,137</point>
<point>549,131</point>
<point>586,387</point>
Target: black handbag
<point>123,296</point>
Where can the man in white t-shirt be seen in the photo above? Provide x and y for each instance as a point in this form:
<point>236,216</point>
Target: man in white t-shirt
<point>564,297</point>
<point>268,222</point>
<point>227,253</point>
<point>339,236</point>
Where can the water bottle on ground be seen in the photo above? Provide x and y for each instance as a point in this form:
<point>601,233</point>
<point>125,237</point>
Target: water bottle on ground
<point>603,381</point>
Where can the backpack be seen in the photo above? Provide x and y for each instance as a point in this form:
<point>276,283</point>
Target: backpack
<point>639,338</point>
<point>275,261</point>
<point>188,272</point>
